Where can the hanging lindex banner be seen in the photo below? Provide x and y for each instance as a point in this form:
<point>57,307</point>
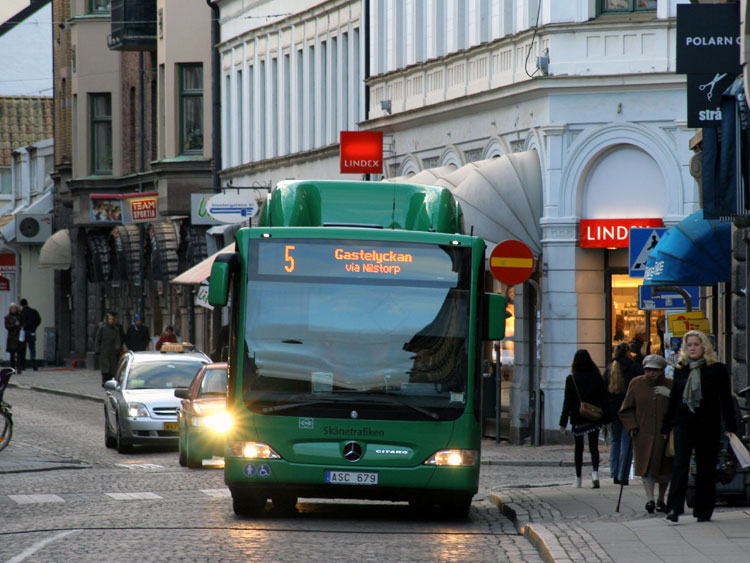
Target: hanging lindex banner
<point>708,38</point>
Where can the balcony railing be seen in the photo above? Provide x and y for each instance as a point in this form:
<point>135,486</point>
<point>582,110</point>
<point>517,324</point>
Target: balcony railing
<point>133,25</point>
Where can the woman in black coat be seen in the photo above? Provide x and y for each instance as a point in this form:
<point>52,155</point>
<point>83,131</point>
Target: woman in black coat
<point>701,397</point>
<point>586,381</point>
<point>13,323</point>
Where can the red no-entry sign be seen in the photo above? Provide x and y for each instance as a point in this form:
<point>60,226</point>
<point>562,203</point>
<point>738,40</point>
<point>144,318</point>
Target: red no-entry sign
<point>511,262</point>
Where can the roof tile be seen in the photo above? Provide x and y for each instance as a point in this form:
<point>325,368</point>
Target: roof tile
<point>23,120</point>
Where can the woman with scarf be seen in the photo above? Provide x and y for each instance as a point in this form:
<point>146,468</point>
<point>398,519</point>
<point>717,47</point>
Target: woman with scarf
<point>586,384</point>
<point>701,397</point>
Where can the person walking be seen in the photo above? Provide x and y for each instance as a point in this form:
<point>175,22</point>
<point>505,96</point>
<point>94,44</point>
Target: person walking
<point>641,415</point>
<point>617,377</point>
<point>701,398</point>
<point>30,322</point>
<point>584,384</point>
<point>137,338</point>
<point>107,345</point>
<point>167,336</point>
<point>13,324</point>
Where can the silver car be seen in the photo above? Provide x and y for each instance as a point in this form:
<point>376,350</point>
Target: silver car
<point>140,407</point>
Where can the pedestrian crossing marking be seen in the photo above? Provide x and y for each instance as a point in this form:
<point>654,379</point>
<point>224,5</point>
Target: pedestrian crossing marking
<point>35,499</point>
<point>134,496</point>
<point>216,493</point>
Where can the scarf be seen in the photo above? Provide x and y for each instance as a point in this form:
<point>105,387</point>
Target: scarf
<point>692,395</point>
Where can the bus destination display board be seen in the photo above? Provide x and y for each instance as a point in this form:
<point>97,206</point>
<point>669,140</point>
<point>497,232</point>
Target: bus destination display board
<point>355,259</point>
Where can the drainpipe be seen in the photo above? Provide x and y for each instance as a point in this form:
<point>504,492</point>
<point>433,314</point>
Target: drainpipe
<point>216,320</point>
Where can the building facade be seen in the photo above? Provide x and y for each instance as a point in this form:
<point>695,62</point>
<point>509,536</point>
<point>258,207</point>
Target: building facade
<point>589,90</point>
<point>134,116</point>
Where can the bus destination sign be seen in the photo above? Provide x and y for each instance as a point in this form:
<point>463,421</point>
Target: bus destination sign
<point>360,259</point>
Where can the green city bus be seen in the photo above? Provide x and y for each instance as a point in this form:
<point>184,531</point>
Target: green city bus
<point>357,315</point>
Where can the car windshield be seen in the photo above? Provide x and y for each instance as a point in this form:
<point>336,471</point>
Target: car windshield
<point>330,330</point>
<point>162,375</point>
<point>214,383</point>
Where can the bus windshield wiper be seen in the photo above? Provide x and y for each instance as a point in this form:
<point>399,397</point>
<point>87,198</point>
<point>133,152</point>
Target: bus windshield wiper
<point>286,406</point>
<point>392,399</point>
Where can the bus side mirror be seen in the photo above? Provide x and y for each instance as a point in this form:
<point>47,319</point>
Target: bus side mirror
<point>221,273</point>
<point>494,317</point>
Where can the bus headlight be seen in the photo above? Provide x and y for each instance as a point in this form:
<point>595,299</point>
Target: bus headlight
<point>219,422</point>
<point>453,458</point>
<point>252,450</point>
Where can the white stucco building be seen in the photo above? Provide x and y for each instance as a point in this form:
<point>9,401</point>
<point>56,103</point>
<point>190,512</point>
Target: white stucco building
<point>573,107</point>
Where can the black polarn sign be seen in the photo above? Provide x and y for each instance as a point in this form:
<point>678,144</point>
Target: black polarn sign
<point>708,38</point>
<point>704,98</point>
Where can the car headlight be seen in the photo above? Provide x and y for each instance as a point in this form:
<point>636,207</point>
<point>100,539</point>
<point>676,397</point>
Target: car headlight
<point>219,422</point>
<point>136,410</point>
<point>453,458</point>
<point>252,450</point>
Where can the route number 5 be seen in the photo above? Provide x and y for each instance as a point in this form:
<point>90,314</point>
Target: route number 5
<point>289,258</point>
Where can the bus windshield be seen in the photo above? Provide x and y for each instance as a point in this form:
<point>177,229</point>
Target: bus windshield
<point>380,327</point>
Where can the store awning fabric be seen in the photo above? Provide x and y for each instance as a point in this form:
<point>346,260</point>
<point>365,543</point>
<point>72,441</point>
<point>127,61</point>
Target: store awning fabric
<point>202,270</point>
<point>55,252</point>
<point>696,251</point>
<point>501,198</point>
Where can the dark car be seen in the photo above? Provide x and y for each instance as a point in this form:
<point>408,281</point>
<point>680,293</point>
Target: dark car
<point>140,407</point>
<point>201,418</point>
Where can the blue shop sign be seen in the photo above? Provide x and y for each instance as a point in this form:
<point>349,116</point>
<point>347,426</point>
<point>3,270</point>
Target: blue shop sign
<point>647,301</point>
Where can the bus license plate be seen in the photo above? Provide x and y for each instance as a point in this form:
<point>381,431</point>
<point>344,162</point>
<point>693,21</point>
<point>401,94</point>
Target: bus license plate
<point>351,478</point>
<point>173,426</point>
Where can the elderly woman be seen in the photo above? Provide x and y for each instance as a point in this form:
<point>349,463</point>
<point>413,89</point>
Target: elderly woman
<point>701,397</point>
<point>641,414</point>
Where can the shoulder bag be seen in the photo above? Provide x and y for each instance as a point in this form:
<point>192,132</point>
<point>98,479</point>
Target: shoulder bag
<point>587,410</point>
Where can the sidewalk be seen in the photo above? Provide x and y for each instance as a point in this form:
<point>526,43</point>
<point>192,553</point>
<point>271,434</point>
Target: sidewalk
<point>564,523</point>
<point>569,524</point>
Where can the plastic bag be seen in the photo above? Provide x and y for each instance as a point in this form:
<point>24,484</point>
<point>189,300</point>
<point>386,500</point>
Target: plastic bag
<point>22,336</point>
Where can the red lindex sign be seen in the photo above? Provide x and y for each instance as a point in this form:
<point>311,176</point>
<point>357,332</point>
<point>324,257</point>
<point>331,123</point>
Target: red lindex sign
<point>361,152</point>
<point>611,233</point>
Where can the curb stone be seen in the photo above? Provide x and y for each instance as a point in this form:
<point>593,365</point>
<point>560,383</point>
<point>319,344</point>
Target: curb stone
<point>73,394</point>
<point>546,544</point>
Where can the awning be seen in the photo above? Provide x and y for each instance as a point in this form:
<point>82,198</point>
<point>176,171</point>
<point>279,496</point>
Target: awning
<point>55,252</point>
<point>501,198</point>
<point>696,251</point>
<point>202,270</point>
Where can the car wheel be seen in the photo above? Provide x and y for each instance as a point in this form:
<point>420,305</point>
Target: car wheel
<point>183,457</point>
<point>248,504</point>
<point>192,462</point>
<point>123,447</point>
<point>109,440</point>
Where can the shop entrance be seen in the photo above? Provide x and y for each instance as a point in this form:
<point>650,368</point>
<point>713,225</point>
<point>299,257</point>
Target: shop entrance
<point>644,330</point>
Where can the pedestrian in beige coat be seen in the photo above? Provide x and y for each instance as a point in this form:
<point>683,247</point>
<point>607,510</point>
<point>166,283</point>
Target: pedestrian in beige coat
<point>641,414</point>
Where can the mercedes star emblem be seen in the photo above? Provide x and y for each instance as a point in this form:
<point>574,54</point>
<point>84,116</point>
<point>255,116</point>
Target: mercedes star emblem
<point>352,451</point>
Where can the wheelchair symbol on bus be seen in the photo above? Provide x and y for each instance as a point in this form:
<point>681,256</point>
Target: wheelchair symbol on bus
<point>264,471</point>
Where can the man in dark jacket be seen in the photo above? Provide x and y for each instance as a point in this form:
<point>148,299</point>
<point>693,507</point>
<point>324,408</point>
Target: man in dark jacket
<point>137,337</point>
<point>30,322</point>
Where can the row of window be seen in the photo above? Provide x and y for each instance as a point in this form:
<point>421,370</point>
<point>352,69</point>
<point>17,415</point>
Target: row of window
<point>191,119</point>
<point>7,176</point>
<point>293,101</point>
<point>411,31</point>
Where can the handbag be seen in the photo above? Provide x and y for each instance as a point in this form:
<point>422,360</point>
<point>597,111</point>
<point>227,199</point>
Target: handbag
<point>669,449</point>
<point>587,410</point>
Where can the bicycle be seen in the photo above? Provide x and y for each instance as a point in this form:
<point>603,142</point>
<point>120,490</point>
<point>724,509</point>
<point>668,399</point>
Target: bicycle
<point>6,414</point>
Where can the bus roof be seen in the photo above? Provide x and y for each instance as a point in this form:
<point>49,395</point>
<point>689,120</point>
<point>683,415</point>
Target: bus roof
<point>320,203</point>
